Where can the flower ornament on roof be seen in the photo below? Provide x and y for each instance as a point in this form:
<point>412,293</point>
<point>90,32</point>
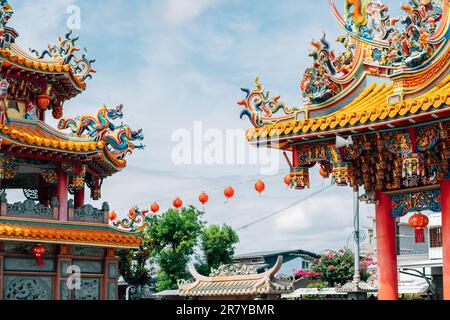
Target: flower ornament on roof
<point>260,107</point>
<point>64,52</point>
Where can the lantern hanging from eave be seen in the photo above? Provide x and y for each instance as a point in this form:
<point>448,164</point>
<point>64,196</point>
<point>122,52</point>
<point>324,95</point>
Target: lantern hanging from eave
<point>39,251</point>
<point>300,178</point>
<point>341,173</point>
<point>419,222</point>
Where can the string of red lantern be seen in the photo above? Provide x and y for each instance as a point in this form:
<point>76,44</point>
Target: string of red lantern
<point>203,198</point>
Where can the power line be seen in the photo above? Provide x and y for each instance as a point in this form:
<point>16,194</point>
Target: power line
<point>245,227</point>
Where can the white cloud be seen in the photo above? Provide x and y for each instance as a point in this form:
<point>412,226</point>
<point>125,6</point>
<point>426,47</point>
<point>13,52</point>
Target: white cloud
<point>180,11</point>
<point>40,21</point>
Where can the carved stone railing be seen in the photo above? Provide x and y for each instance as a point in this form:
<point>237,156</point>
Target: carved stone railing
<point>29,209</point>
<point>88,213</point>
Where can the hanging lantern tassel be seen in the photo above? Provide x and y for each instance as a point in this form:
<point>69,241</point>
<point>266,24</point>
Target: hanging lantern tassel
<point>419,222</point>
<point>420,235</point>
<point>39,251</point>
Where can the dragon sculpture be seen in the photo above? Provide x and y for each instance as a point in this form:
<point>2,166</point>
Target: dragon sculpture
<point>260,107</point>
<point>6,12</point>
<point>65,53</point>
<point>134,222</point>
<point>122,143</point>
<point>118,139</point>
<point>355,12</point>
<point>318,83</point>
<point>96,126</point>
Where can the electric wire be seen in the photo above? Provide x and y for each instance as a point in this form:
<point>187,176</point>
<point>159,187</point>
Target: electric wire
<point>278,212</point>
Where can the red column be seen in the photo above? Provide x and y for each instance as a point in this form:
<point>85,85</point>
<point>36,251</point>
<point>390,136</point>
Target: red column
<point>63,194</point>
<point>79,198</point>
<point>386,249</point>
<point>445,198</point>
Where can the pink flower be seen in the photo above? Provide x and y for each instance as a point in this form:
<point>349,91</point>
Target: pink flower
<point>331,267</point>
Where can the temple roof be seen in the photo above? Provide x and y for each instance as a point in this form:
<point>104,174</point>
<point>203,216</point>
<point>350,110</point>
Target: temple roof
<point>370,109</point>
<point>40,138</point>
<point>72,233</point>
<point>54,71</point>
<point>241,282</point>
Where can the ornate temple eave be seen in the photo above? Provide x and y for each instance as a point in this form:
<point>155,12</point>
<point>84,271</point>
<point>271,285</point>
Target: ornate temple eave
<point>236,285</point>
<point>17,63</point>
<point>42,141</point>
<point>369,112</point>
<point>71,233</point>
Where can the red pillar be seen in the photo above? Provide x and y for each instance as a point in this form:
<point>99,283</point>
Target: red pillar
<point>445,198</point>
<point>79,198</point>
<point>63,194</point>
<point>386,249</point>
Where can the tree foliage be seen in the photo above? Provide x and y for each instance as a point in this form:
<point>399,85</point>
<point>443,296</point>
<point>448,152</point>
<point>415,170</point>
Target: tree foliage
<point>135,265</point>
<point>336,268</point>
<point>217,244</point>
<point>173,237</point>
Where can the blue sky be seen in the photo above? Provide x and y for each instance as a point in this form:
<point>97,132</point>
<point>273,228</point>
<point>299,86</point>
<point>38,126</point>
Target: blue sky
<point>174,62</point>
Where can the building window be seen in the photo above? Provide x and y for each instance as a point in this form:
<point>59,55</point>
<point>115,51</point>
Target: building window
<point>436,237</point>
<point>305,265</point>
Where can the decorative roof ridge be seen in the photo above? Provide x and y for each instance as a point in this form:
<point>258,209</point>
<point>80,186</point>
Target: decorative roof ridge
<point>41,222</point>
<point>51,130</point>
<point>258,276</point>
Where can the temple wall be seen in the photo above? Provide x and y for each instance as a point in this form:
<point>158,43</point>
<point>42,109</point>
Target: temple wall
<point>22,279</point>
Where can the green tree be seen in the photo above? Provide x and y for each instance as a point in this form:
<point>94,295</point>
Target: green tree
<point>173,237</point>
<point>135,265</point>
<point>217,245</point>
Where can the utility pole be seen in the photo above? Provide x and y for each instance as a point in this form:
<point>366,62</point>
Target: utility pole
<point>356,289</point>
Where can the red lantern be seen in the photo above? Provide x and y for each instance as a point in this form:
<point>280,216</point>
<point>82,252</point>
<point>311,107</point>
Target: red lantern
<point>419,222</point>
<point>203,198</point>
<point>154,207</point>
<point>260,186</point>
<point>39,251</point>
<point>229,192</point>
<point>177,203</point>
<point>44,101</point>
<point>112,216</point>
<point>287,180</point>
